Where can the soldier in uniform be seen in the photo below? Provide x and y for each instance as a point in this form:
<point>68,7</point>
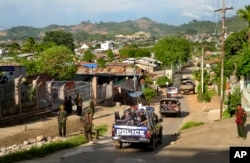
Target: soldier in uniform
<point>78,102</point>
<point>62,117</point>
<point>91,108</point>
<point>127,118</point>
<point>142,120</point>
<point>87,126</point>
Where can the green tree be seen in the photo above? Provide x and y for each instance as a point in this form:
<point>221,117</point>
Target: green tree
<point>101,62</point>
<point>29,45</point>
<point>60,38</point>
<point>57,62</point>
<point>245,15</point>
<point>172,50</point>
<point>14,47</point>
<point>161,81</point>
<point>127,51</point>
<point>134,51</point>
<point>243,66</point>
<point>142,52</point>
<point>42,46</point>
<point>197,76</point>
<point>31,66</point>
<point>88,56</point>
<point>235,43</point>
<point>110,55</point>
<point>149,93</point>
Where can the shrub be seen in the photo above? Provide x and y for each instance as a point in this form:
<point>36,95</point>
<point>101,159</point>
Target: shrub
<point>161,81</point>
<point>232,101</point>
<point>226,114</point>
<point>149,93</point>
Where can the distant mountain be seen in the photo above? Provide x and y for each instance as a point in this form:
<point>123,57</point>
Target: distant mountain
<point>107,30</point>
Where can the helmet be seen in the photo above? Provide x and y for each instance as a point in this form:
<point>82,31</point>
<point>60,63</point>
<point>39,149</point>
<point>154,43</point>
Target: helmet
<point>141,110</point>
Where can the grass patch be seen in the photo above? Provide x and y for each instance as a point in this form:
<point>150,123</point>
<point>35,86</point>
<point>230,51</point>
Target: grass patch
<point>38,152</point>
<point>212,92</point>
<point>191,124</point>
<point>102,129</point>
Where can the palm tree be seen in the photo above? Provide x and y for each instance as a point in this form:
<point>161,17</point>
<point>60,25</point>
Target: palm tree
<point>245,15</point>
<point>29,45</point>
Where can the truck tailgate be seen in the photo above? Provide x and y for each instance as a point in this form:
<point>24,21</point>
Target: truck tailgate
<point>125,133</point>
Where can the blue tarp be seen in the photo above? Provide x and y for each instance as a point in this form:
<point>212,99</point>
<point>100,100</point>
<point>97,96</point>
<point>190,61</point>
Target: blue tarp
<point>135,94</point>
<point>90,65</point>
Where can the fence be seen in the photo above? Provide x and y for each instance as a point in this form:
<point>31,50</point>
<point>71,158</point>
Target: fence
<point>246,96</point>
<point>6,97</point>
<point>19,97</point>
<point>62,89</point>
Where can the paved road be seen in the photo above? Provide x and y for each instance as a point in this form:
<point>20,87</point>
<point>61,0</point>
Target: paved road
<point>203,144</point>
<point>104,151</point>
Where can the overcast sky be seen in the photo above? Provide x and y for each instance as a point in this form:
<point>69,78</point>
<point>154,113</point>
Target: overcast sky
<point>41,13</point>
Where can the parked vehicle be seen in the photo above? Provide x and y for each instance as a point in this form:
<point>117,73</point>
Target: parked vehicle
<point>172,91</point>
<point>187,86</point>
<point>170,106</point>
<point>149,134</point>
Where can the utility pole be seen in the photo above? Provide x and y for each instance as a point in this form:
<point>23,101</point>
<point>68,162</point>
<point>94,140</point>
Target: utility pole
<point>134,77</point>
<point>202,71</point>
<point>223,17</point>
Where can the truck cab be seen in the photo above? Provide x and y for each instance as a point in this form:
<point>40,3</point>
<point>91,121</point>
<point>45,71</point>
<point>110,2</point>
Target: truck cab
<point>187,86</point>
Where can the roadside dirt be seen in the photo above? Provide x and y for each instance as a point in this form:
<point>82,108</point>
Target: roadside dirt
<point>104,115</point>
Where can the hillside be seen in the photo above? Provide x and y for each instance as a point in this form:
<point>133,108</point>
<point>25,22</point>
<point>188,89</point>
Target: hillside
<point>107,30</point>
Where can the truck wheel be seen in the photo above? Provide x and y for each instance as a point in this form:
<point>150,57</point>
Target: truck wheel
<point>160,138</point>
<point>178,114</point>
<point>152,144</point>
<point>161,115</point>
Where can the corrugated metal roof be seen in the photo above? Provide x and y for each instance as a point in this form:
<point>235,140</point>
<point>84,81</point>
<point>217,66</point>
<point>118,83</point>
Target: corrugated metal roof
<point>25,55</point>
<point>128,71</point>
<point>10,64</point>
<point>212,61</point>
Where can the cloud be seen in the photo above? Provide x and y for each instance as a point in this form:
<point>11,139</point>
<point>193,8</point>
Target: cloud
<point>40,13</point>
<point>189,14</point>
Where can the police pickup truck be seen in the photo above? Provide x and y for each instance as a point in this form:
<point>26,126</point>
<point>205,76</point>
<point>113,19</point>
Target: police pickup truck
<point>149,133</point>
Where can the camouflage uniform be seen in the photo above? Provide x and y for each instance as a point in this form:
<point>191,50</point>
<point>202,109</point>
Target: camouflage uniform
<point>62,117</point>
<point>91,108</point>
<point>87,127</point>
<point>78,102</point>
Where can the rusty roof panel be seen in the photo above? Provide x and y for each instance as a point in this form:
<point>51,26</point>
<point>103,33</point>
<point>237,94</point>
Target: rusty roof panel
<point>114,71</point>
